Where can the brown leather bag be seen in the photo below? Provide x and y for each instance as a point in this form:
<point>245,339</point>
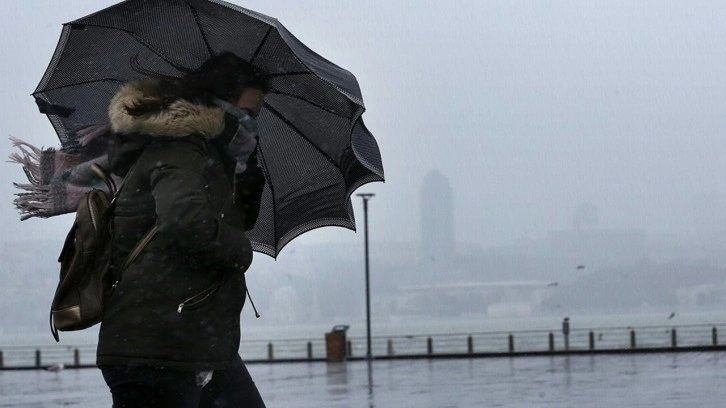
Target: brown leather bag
<point>86,277</point>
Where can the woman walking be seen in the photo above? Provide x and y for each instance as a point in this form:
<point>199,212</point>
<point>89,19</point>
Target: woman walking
<point>170,334</point>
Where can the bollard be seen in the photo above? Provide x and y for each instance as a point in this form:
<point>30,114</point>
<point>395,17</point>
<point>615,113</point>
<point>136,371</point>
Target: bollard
<point>37,358</point>
<point>592,341</point>
<point>270,352</point>
<point>77,357</point>
<point>2,362</point>
<point>632,339</point>
<point>310,350</point>
<point>470,345</point>
<point>674,340</point>
<point>511,343</point>
<point>552,341</point>
<point>430,346</point>
<point>389,347</point>
<point>349,348</point>
<point>714,339</point>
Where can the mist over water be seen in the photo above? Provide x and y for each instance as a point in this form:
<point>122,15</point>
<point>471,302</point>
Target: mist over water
<point>542,161</point>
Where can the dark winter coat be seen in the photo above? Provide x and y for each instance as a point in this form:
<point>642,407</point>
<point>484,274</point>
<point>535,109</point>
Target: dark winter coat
<point>178,304</point>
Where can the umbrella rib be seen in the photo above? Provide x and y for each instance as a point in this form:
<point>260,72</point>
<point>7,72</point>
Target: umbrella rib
<point>259,47</point>
<point>332,112</point>
<point>142,42</point>
<point>356,100</point>
<point>75,84</point>
<point>298,131</point>
<point>201,30</point>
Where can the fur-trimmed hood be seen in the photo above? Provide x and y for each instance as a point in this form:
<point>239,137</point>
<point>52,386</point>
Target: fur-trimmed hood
<point>182,117</point>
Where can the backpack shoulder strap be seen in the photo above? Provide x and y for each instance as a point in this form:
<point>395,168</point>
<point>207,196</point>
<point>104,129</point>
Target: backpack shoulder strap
<point>103,175</point>
<point>138,248</point>
<point>131,257</point>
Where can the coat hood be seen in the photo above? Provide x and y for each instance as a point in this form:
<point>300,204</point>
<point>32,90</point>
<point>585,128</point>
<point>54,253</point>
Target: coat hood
<point>181,118</point>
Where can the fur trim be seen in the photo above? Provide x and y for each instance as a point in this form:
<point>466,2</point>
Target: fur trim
<point>182,118</point>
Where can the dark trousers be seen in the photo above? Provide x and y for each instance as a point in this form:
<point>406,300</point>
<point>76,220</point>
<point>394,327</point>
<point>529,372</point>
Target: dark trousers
<point>142,387</point>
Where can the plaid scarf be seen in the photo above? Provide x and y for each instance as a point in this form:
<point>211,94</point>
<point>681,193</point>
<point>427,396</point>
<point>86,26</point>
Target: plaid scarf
<point>59,178</point>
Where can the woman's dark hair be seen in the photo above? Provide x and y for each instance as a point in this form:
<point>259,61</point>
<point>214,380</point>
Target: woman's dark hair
<point>223,76</point>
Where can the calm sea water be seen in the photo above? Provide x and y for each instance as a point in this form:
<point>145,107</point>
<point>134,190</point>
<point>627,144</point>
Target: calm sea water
<point>660,380</point>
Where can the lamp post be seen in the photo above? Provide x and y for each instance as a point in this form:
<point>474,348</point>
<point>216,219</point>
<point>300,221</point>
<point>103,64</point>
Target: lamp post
<point>366,197</point>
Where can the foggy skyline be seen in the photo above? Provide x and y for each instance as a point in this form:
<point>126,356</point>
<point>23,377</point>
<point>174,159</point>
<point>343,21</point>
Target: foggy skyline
<point>545,161</point>
<point>531,109</point>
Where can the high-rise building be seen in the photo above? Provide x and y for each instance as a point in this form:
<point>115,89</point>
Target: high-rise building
<point>438,241</point>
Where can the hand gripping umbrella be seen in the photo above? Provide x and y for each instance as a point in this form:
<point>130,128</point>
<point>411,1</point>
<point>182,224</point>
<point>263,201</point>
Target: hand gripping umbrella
<point>313,146</point>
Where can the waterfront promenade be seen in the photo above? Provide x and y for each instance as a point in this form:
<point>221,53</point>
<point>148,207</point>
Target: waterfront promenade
<point>599,381</point>
<point>644,366</point>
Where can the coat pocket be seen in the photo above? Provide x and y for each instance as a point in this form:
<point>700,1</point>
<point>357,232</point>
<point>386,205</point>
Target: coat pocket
<point>200,299</point>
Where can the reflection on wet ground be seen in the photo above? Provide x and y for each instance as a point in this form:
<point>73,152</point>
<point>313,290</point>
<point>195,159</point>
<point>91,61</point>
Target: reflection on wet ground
<point>638,380</point>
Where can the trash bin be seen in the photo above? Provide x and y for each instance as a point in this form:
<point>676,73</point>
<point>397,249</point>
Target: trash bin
<point>335,343</point>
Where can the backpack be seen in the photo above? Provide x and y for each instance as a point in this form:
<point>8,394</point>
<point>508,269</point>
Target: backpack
<point>87,280</point>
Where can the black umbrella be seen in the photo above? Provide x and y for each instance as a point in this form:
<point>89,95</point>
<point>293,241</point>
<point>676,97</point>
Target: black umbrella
<point>314,148</point>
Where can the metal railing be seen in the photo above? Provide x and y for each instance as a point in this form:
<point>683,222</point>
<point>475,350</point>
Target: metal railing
<point>522,342</point>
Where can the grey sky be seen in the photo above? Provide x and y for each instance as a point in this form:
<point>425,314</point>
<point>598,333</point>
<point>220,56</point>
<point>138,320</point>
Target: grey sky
<point>530,108</point>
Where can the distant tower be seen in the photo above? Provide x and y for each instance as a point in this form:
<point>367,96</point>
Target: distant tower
<point>437,219</point>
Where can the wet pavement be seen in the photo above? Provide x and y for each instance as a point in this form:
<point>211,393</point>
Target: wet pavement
<point>637,380</point>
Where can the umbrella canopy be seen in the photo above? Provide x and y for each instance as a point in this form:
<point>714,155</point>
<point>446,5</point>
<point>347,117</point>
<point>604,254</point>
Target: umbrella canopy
<point>313,145</point>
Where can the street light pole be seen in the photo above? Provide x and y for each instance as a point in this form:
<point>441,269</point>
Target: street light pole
<point>366,197</point>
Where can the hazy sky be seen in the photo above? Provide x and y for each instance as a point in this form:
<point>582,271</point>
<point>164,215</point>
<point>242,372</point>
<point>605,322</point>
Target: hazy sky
<point>530,108</point>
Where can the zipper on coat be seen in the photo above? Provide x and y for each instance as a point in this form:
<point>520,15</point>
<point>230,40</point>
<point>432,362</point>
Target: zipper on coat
<point>199,298</point>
